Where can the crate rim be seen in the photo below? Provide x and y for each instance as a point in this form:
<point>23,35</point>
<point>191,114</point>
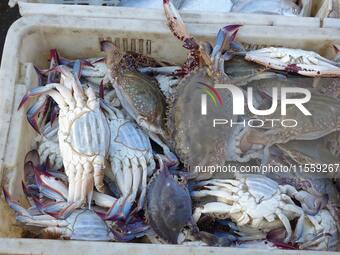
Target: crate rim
<point>10,65</point>
<point>47,246</point>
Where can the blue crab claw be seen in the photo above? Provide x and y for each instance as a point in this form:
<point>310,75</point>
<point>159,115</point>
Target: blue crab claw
<point>30,190</point>
<point>337,52</point>
<point>119,210</point>
<point>50,186</point>
<point>177,25</point>
<point>78,66</point>
<point>54,56</point>
<point>37,91</point>
<point>224,38</point>
<point>71,63</point>
<point>311,204</point>
<point>58,210</point>
<point>129,232</point>
<point>33,113</point>
<point>54,112</point>
<point>41,76</point>
<point>14,205</point>
<point>54,61</point>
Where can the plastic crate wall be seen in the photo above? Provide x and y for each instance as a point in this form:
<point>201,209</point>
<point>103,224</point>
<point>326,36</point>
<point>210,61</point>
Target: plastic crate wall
<point>75,2</point>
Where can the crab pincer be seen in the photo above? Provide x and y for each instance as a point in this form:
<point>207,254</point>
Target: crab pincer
<point>198,51</point>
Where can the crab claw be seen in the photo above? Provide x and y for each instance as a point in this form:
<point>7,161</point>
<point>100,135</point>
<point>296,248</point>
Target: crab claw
<point>129,232</point>
<point>315,241</point>
<point>177,25</point>
<point>311,204</point>
<point>37,91</point>
<point>34,112</point>
<point>119,210</point>
<point>54,56</point>
<point>337,52</point>
<point>14,205</point>
<point>54,112</point>
<point>277,237</point>
<point>49,186</point>
<point>58,210</point>
<point>224,39</point>
<point>78,66</point>
<point>41,76</point>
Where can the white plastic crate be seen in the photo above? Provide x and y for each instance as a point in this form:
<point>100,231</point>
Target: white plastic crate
<point>68,2</point>
<point>327,9</point>
<point>333,7</point>
<point>221,18</point>
<point>28,42</point>
<point>154,7</point>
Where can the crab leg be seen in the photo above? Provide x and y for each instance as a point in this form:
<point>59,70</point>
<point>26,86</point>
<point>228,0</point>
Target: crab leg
<point>50,186</point>
<point>164,70</point>
<point>222,196</point>
<point>310,204</point>
<point>166,150</point>
<point>144,184</point>
<point>211,208</point>
<point>124,179</point>
<point>300,224</point>
<point>320,241</point>
<point>103,200</point>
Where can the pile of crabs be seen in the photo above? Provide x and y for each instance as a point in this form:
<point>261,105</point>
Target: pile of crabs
<point>118,139</point>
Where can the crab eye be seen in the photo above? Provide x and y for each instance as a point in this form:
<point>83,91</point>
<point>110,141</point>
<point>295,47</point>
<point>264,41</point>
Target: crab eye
<point>180,180</point>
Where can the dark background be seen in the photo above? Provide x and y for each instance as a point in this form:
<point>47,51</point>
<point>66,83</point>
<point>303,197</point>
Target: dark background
<point>7,17</point>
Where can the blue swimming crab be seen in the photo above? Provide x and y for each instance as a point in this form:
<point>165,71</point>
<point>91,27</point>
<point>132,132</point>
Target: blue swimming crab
<point>169,210</point>
<point>82,133</point>
<point>252,142</point>
<point>298,61</point>
<point>55,217</point>
<point>256,204</point>
<point>193,138</point>
<point>138,94</point>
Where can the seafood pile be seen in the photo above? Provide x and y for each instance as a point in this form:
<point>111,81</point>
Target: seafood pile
<point>119,139</point>
<point>278,7</point>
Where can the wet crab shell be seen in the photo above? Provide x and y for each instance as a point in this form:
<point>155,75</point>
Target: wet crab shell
<point>168,206</point>
<point>194,139</point>
<point>88,225</point>
<point>141,94</point>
